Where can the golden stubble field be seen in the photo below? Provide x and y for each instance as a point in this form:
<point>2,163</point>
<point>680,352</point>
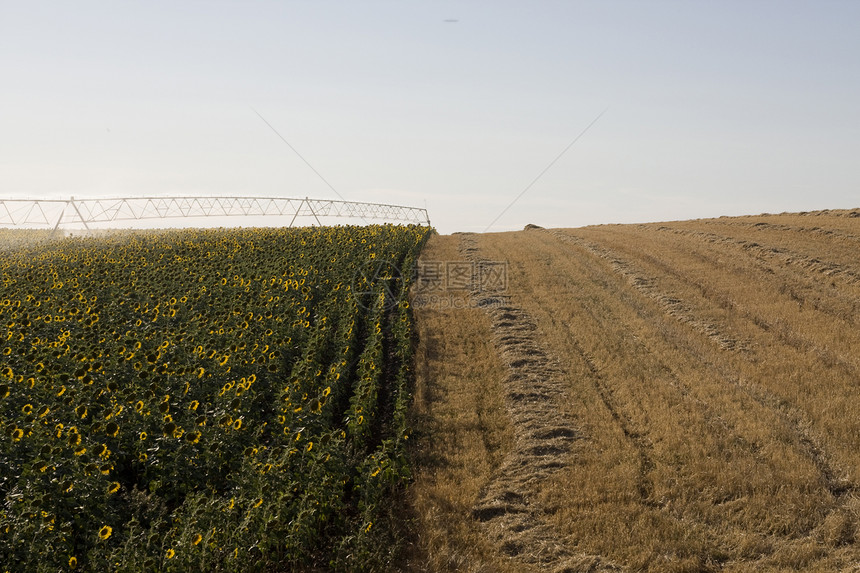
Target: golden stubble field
<point>679,396</point>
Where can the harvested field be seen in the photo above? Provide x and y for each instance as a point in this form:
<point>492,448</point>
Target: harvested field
<point>679,396</point>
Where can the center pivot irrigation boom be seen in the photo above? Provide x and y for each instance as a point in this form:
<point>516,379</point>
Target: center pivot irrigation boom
<point>54,212</point>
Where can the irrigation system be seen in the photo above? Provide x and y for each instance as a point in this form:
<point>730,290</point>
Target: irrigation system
<point>59,213</point>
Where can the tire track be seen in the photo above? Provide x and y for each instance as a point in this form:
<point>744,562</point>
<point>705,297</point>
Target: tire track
<point>794,421</point>
<point>777,328</point>
<point>838,234</point>
<point>783,256</point>
<point>640,443</point>
<point>671,304</point>
<point>711,418</point>
<point>509,508</point>
<point>843,307</point>
<point>790,423</point>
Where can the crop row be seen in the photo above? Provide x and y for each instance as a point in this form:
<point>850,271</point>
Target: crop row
<point>221,400</point>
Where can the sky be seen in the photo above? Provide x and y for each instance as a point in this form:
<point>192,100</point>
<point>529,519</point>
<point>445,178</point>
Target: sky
<point>675,110</point>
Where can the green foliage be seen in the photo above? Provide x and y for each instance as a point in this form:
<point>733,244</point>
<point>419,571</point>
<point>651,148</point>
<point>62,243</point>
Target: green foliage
<point>216,400</point>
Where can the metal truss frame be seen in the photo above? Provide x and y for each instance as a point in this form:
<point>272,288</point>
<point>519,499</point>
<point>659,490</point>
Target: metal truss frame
<point>54,212</point>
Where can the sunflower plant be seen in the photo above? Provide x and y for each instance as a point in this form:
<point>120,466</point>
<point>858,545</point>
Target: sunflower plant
<point>220,400</point>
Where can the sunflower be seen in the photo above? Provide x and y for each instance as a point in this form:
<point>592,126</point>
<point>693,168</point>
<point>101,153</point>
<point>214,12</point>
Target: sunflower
<point>105,532</point>
<point>112,429</point>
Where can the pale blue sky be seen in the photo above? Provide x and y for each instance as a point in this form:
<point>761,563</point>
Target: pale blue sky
<point>713,108</point>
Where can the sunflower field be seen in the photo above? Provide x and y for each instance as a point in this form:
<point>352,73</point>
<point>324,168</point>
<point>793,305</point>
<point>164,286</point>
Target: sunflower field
<point>207,400</point>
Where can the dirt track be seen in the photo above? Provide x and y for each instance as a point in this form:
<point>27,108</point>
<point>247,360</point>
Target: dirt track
<point>677,396</point>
